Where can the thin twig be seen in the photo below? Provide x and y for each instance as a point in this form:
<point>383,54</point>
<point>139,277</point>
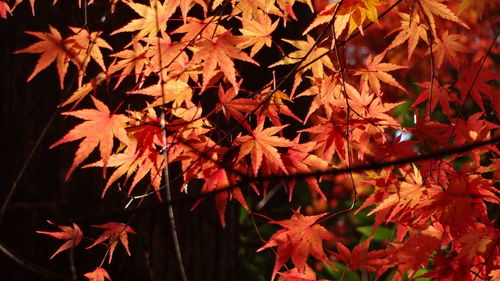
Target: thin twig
<point>348,110</point>
<point>31,266</point>
<point>168,194</point>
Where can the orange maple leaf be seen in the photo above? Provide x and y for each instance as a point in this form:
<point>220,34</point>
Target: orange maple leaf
<point>88,45</point>
<point>99,129</point>
<point>53,48</point>
<point>250,8</point>
<point>141,163</point>
<point>114,232</point>
<point>99,274</point>
<point>376,71</point>
<point>205,27</point>
<point>84,90</point>
<point>411,30</point>
<point>263,143</point>
<point>326,91</point>
<point>435,7</point>
<point>175,91</point>
<point>134,59</point>
<point>317,67</point>
<point>233,107</point>
<point>154,18</point>
<point>478,9</point>
<point>301,237</point>
<point>219,52</point>
<point>447,47</point>
<point>71,233</point>
<point>257,32</point>
<point>354,12</point>
<point>141,155</point>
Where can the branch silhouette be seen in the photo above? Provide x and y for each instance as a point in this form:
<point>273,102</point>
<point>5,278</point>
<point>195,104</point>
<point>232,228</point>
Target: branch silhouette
<point>356,168</point>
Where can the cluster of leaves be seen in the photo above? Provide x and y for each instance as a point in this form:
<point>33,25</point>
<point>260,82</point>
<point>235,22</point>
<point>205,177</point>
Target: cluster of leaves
<point>114,233</point>
<point>185,59</point>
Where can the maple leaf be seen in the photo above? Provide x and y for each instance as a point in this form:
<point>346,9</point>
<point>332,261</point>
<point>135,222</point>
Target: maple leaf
<point>369,106</point>
<point>329,136</point>
<point>134,59</point>
<point>359,11</point>
<point>219,52</point>
<point>166,57</point>
<point>216,177</point>
<point>287,7</point>
<point>462,204</point>
<point>263,143</point>
<point>447,47</point>
<point>257,32</point>
<point>99,274</point>
<point>233,107</point>
<point>354,12</point>
<point>107,124</point>
<point>294,275</point>
<point>474,81</point>
<point>140,162</point>
<point>411,30</point>
<point>317,67</point>
<point>440,94</point>
<point>88,45</point>
<point>175,91</point>
<point>435,7</point>
<point>251,8</point>
<point>325,90</point>
<point>301,237</point>
<point>141,155</point>
<point>114,232</point>
<point>154,18</point>
<point>4,9</point>
<point>475,243</point>
<point>71,233</point>
<point>465,5</point>
<point>409,195</point>
<point>273,104</point>
<point>299,159</point>
<point>376,71</point>
<point>84,90</point>
<point>360,257</point>
<point>53,48</point>
<point>194,27</point>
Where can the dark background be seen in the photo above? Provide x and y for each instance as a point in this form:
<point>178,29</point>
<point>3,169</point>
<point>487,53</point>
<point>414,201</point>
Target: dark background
<point>209,252</point>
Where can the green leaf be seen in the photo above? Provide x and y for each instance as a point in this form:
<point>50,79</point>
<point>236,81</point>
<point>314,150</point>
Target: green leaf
<point>382,232</point>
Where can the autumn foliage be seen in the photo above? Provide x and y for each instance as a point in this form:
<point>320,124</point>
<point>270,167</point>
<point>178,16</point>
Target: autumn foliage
<point>381,85</point>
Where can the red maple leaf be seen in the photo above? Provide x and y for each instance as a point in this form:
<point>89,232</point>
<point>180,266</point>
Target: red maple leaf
<point>114,232</point>
<point>72,234</point>
<point>301,237</point>
<point>263,143</point>
<point>360,257</point>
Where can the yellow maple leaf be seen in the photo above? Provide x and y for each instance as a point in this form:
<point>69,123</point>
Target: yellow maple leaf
<point>317,67</point>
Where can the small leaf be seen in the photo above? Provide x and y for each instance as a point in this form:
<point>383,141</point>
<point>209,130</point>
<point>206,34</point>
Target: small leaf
<point>99,274</point>
<point>71,233</point>
<point>114,232</point>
